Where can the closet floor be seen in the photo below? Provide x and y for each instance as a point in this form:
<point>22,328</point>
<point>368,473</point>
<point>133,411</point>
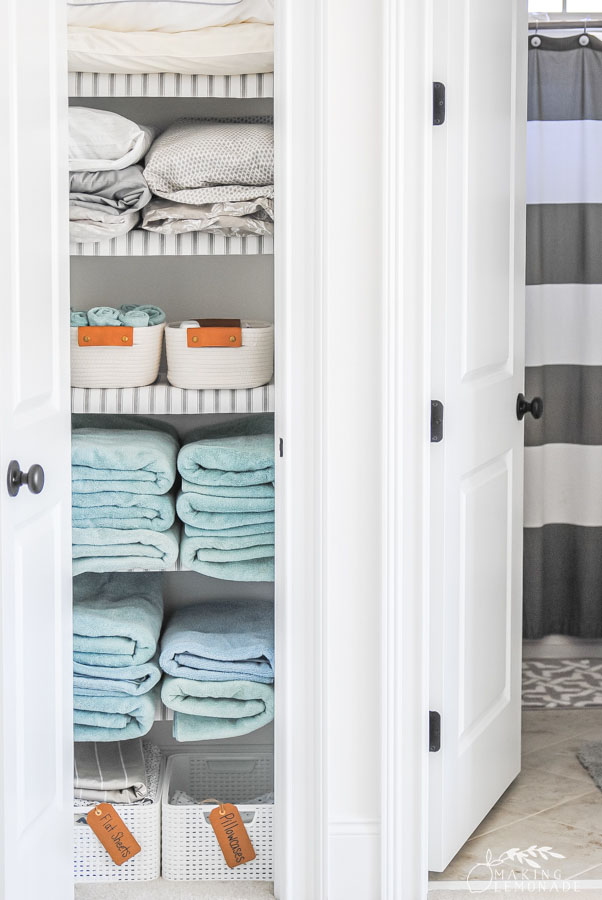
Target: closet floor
<point>177,890</point>
<point>553,803</point>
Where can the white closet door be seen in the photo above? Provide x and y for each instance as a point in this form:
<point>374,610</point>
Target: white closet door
<point>478,361</point>
<point>35,543</point>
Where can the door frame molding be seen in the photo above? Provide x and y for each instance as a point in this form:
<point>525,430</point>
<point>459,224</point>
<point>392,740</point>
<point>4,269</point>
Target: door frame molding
<point>407,301</point>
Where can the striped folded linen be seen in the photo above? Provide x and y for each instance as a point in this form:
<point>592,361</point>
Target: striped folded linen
<point>116,619</point>
<point>124,550</point>
<point>112,772</point>
<point>90,681</point>
<point>223,641</point>
<point>126,454</point>
<point>210,710</point>
<point>120,509</point>
<point>112,717</point>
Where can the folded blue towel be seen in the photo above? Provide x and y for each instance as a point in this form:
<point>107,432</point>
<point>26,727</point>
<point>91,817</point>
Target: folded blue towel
<point>209,710</point>
<point>222,522</point>
<point>265,528</point>
<point>113,681</point>
<point>215,541</point>
<point>113,718</point>
<point>244,564</point>
<point>189,505</point>
<point>116,619</point>
<point>120,509</point>
<point>238,452</point>
<point>229,640</point>
<point>240,491</point>
<point>125,456</point>
<point>122,550</point>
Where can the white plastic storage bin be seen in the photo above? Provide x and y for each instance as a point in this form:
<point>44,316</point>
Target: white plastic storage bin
<point>131,359</point>
<point>190,848</point>
<point>235,355</point>
<point>92,863</point>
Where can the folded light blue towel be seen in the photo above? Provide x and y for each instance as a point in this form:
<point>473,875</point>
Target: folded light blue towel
<point>222,522</point>
<point>265,528</point>
<point>116,619</point>
<point>229,640</point>
<point>114,681</point>
<point>210,710</point>
<point>238,452</point>
<point>113,718</point>
<point>189,505</point>
<point>244,564</point>
<point>103,315</point>
<point>215,541</point>
<point>78,317</point>
<point>122,550</point>
<point>239,491</point>
<point>120,509</point>
<point>125,456</point>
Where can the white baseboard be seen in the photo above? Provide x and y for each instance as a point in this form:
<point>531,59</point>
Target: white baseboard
<point>560,646</point>
<point>354,862</point>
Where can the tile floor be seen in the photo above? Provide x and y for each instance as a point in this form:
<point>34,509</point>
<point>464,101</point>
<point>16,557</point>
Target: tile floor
<point>552,803</point>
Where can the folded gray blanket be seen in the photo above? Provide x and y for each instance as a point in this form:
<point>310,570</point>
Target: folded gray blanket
<point>229,640</point>
<point>113,191</point>
<point>213,160</point>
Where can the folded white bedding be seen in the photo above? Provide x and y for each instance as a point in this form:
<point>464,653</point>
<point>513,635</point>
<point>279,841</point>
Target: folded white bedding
<point>229,219</point>
<point>90,226</point>
<point>100,140</point>
<point>228,50</point>
<point>167,15</point>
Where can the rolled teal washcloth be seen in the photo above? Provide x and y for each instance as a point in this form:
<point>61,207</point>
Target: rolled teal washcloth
<point>137,318</point>
<point>209,710</point>
<point>103,315</point>
<point>79,318</point>
<point>155,313</point>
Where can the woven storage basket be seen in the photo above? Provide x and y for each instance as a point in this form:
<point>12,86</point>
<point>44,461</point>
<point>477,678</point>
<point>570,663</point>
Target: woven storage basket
<point>117,367</point>
<point>246,366</point>
<point>190,848</point>
<point>91,862</point>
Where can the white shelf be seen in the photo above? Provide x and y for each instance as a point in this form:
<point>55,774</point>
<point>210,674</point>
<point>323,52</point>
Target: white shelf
<point>196,243</point>
<point>161,398</point>
<point>93,84</point>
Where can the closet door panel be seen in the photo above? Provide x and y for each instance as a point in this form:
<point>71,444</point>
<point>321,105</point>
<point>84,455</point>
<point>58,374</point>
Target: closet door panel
<point>478,371</point>
<point>35,544</point>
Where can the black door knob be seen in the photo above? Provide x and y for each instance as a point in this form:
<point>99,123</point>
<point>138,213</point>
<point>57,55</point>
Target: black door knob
<point>524,406</point>
<point>15,478</point>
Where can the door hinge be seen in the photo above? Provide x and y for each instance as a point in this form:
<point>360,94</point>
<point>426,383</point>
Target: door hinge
<point>438,103</point>
<point>436,421</point>
<point>434,731</point>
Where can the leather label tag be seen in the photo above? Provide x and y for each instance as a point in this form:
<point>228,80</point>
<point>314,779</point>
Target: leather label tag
<point>113,834</point>
<point>105,336</point>
<point>232,835</point>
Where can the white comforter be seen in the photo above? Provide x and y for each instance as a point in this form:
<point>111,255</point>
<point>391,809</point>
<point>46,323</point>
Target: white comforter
<point>167,15</point>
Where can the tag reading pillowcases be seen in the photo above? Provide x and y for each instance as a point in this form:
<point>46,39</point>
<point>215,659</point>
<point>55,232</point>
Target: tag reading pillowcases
<point>113,834</point>
<point>232,835</point>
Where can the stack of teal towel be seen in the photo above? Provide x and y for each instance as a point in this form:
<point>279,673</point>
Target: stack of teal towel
<point>219,665</point>
<point>227,500</point>
<point>131,314</point>
<point>123,513</point>
<point>116,626</point>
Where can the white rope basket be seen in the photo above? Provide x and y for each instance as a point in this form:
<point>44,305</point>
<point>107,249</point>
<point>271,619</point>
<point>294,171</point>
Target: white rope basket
<point>118,367</point>
<point>190,848</point>
<point>248,366</point>
<point>92,863</point>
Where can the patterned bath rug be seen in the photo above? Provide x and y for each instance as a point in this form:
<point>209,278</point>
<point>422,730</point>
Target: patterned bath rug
<point>562,683</point>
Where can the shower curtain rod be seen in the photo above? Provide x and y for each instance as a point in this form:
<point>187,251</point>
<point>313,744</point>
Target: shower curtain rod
<point>588,24</point>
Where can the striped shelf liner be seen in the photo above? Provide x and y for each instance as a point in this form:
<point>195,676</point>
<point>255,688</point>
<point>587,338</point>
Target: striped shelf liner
<point>161,397</point>
<point>246,87</point>
<point>162,713</point>
<point>148,243</point>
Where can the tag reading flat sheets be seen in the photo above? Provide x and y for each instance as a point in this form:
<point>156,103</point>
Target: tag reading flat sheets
<point>113,834</point>
<point>232,835</point>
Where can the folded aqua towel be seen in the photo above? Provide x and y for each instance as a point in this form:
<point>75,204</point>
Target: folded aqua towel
<point>123,550</point>
<point>238,452</point>
<point>244,564</point>
<point>113,718</point>
<point>215,541</point>
<point>189,505</point>
<point>228,640</point>
<point>123,456</point>
<point>119,509</point>
<point>209,710</point>
<point>78,317</point>
<point>113,681</point>
<point>266,528</point>
<point>116,619</point>
<point>222,522</point>
<point>103,315</point>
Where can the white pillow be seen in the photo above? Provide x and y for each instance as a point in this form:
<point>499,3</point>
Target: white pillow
<point>100,140</point>
<point>167,15</point>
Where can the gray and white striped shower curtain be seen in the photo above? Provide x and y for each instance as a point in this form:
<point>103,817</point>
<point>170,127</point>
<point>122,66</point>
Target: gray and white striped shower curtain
<point>563,454</point>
